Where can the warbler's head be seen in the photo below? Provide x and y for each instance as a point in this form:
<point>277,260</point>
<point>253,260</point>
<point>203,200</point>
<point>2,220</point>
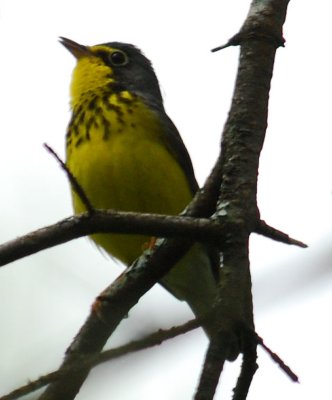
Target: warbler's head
<point>119,66</point>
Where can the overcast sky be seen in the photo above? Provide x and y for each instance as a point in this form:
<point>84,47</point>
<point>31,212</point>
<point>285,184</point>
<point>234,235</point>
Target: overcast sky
<point>45,298</point>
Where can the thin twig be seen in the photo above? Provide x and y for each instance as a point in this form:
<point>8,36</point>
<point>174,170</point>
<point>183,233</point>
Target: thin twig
<point>278,360</point>
<point>233,41</point>
<point>268,231</point>
<point>256,339</point>
<point>151,340</point>
<point>73,181</point>
<point>243,35</point>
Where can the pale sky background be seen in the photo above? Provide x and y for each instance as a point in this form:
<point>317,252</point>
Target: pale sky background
<point>45,298</point>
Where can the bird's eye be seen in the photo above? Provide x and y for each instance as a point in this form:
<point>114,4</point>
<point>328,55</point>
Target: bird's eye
<point>118,58</point>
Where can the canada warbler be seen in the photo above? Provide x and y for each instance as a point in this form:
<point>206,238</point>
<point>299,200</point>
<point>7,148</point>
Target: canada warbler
<point>127,155</point>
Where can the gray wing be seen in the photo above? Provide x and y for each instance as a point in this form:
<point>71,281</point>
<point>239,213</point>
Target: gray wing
<point>177,148</point>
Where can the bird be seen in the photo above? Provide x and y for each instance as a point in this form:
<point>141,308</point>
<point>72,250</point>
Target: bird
<point>127,155</point>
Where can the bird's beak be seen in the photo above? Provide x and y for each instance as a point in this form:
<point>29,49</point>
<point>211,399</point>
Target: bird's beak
<point>76,49</point>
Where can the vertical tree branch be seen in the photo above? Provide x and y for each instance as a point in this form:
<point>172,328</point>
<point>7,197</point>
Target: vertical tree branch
<point>242,142</point>
<point>213,365</point>
<point>248,368</point>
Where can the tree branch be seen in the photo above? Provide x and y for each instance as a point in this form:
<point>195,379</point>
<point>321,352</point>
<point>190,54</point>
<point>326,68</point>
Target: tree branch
<point>73,181</point>
<point>209,380</point>
<point>213,366</point>
<point>109,222</point>
<point>248,367</point>
<point>151,340</point>
<point>288,371</point>
<point>242,142</point>
<point>268,231</point>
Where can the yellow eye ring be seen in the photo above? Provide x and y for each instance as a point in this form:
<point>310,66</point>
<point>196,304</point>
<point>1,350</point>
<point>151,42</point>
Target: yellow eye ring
<point>118,58</point>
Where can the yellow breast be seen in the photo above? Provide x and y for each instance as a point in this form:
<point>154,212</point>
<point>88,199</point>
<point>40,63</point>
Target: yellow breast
<point>116,151</point>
